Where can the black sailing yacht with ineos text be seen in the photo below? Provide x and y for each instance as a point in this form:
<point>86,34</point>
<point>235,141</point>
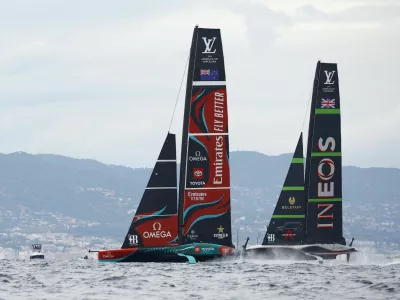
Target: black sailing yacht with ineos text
<point>307,221</point>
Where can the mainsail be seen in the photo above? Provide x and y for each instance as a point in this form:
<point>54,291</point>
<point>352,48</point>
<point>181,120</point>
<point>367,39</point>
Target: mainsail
<point>323,176</point>
<point>287,225</point>
<point>156,221</point>
<point>204,206</point>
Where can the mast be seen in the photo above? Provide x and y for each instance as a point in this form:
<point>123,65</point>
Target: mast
<point>185,130</point>
<point>324,160</point>
<point>204,195</point>
<point>287,225</point>
<point>309,137</point>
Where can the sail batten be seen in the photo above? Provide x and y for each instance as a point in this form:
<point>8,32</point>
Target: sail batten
<point>209,188</point>
<point>293,188</point>
<point>209,83</point>
<point>298,160</point>
<point>207,134</point>
<point>166,160</point>
<point>325,200</point>
<point>164,215</point>
<point>161,188</point>
<point>288,216</point>
<point>334,111</point>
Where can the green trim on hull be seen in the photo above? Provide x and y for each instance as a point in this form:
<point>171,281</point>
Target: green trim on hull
<point>187,249</point>
<point>197,251</point>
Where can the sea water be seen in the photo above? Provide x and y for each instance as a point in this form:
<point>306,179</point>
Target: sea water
<point>244,279</point>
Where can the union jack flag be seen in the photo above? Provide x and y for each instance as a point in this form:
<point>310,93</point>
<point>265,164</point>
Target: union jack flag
<point>204,72</point>
<point>327,103</point>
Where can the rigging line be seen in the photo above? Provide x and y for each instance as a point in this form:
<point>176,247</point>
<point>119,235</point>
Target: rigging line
<point>179,92</point>
<point>191,95</point>
<point>308,105</point>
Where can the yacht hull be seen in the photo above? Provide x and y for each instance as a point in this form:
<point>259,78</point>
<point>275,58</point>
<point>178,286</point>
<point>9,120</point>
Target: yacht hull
<point>299,252</point>
<point>171,254</point>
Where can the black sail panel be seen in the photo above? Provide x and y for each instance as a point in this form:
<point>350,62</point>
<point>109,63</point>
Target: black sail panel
<point>156,220</point>
<point>205,179</point>
<point>287,225</point>
<point>324,171</point>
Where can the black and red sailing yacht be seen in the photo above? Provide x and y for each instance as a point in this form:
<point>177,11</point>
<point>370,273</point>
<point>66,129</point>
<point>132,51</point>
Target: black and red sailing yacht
<point>190,222</point>
<point>307,220</point>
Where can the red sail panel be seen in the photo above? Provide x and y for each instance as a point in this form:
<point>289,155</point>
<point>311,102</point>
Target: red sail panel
<point>208,162</point>
<point>208,110</point>
<point>159,232</point>
<point>209,205</point>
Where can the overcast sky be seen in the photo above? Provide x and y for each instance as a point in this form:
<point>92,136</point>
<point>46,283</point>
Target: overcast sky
<point>98,79</point>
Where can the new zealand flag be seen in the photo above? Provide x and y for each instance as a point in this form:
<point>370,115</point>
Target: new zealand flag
<point>209,74</point>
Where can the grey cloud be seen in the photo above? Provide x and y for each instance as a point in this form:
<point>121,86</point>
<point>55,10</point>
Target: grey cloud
<point>262,23</point>
<point>97,80</point>
<point>310,12</point>
<point>382,13</point>
<point>54,15</point>
<point>373,13</point>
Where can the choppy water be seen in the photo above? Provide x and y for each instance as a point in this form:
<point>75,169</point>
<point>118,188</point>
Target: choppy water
<point>244,280</point>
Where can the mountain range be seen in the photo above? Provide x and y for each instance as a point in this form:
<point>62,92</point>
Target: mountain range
<point>65,201</point>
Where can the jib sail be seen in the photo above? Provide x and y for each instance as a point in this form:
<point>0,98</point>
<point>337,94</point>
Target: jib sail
<point>205,211</point>
<point>323,176</point>
<point>287,225</point>
<point>156,220</point>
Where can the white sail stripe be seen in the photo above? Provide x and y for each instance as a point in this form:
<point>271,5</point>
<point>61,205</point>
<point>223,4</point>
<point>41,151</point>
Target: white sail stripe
<point>205,83</point>
<point>161,188</point>
<point>157,215</point>
<point>201,134</point>
<point>166,160</point>
<point>209,188</point>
